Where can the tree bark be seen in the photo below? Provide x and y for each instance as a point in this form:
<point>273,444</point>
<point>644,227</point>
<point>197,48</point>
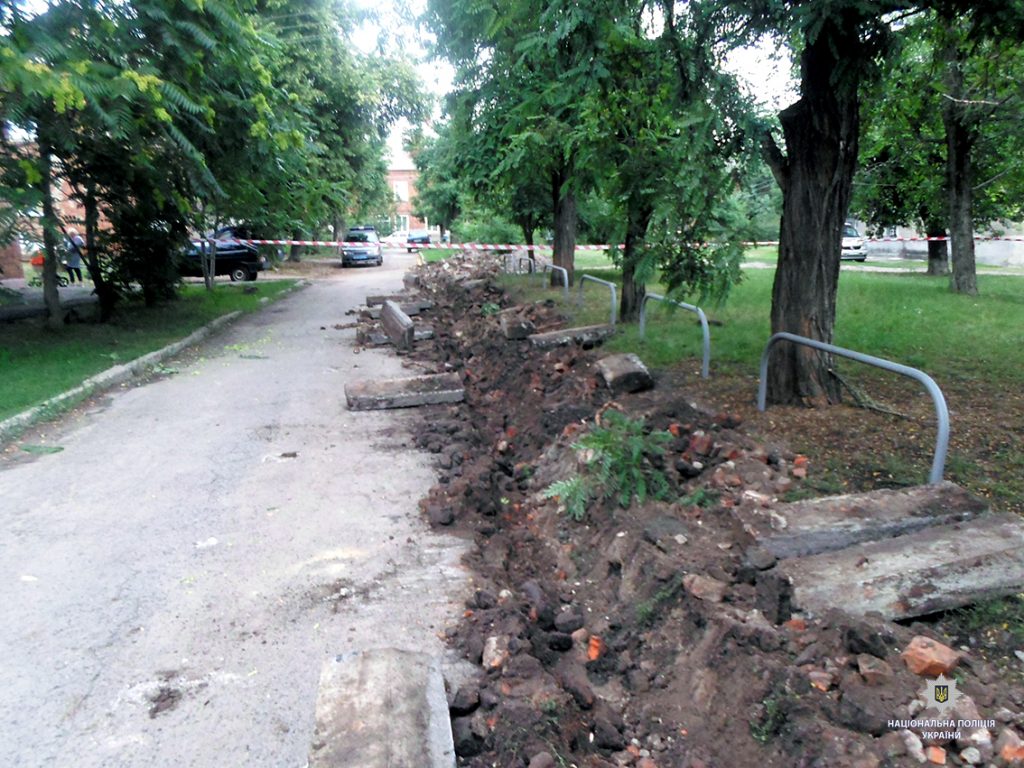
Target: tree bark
<point>105,293</point>
<point>51,297</point>
<point>816,173</point>
<point>295,251</point>
<point>565,222</point>
<point>960,139</point>
<point>528,239</point>
<point>938,252</point>
<point>209,256</point>
<point>633,290</point>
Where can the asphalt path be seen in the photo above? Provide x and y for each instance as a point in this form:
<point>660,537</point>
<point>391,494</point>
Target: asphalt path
<point>173,578</point>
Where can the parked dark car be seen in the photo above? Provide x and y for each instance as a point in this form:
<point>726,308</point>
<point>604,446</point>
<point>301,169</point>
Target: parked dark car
<point>363,247</point>
<point>240,261</point>
<point>418,238</point>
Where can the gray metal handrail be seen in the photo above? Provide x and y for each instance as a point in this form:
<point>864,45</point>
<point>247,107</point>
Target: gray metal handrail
<point>705,368</point>
<point>611,286</point>
<point>565,277</point>
<point>528,260</point>
<point>941,411</point>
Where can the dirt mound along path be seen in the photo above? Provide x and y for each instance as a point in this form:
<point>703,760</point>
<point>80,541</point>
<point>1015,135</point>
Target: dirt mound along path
<point>635,636</point>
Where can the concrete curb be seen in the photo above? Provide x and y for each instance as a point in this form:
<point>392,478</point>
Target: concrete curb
<point>109,378</point>
<point>382,708</point>
<point>118,374</point>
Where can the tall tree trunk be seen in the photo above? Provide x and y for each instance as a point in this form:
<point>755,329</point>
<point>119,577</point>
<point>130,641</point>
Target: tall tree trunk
<point>960,138</point>
<point>209,251</point>
<point>633,290</point>
<point>338,223</point>
<point>295,251</point>
<point>105,293</point>
<point>530,253</point>
<point>816,173</point>
<point>565,222</point>
<point>54,314</point>
<point>938,251</point>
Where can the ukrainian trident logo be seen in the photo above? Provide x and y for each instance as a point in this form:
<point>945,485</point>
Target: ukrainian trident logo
<point>940,693</point>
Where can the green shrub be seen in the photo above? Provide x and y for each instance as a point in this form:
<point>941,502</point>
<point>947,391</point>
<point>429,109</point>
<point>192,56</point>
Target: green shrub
<point>617,465</point>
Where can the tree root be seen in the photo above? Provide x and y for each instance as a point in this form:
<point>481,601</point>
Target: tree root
<point>864,400</point>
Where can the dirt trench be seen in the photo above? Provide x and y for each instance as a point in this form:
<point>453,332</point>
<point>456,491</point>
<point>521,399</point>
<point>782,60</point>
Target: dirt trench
<point>632,637</point>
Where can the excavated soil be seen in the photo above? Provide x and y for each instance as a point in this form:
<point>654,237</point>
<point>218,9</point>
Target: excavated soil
<point>631,638</point>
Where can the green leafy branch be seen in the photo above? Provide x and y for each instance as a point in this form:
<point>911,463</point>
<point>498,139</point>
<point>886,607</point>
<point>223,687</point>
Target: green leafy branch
<point>617,464</point>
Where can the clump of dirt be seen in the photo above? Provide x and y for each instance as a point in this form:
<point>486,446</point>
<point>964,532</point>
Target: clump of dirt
<point>633,637</point>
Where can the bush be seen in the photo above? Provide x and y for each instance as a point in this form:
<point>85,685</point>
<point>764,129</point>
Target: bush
<point>616,465</point>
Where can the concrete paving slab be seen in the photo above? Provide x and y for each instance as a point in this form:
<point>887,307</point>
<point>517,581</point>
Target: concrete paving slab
<point>382,708</point>
<point>411,308</point>
<point>835,522</point>
<point>404,393</point>
<point>377,338</point>
<point>624,373</point>
<point>398,326</point>
<point>931,570</point>
<point>586,336</point>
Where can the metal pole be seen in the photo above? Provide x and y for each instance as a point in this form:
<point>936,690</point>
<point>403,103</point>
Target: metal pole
<point>611,287</point>
<point>565,277</point>
<point>705,368</point>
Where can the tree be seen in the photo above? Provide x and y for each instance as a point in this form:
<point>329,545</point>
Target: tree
<point>837,46</point>
<point>167,115</point>
<point>901,178</point>
<point>914,124</point>
<point>661,154</point>
<point>981,100</point>
<point>522,69</point>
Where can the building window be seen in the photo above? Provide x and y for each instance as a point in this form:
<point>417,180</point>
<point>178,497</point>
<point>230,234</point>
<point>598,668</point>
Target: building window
<point>401,191</point>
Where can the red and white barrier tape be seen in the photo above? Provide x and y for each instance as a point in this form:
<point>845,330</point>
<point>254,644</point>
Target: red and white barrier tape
<point>581,247</point>
<point>453,246</point>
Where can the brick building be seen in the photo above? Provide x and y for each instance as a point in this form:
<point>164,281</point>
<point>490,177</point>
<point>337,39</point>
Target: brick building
<point>10,261</point>
<point>402,175</point>
<point>402,182</point>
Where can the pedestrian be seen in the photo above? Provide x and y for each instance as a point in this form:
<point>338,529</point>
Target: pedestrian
<point>73,245</point>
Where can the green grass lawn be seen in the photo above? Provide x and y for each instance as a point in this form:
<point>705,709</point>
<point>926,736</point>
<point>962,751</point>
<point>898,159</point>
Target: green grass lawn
<point>973,346</point>
<point>36,364</point>
<point>769,254</point>
<point>910,318</point>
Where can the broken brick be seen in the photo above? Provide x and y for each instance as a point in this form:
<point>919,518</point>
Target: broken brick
<point>925,656</point>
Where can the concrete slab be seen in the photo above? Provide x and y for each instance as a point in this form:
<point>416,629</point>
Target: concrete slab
<point>382,708</point>
<point>514,326</point>
<point>377,300</point>
<point>398,326</point>
<point>823,525</point>
<point>586,336</point>
<point>624,373</point>
<point>411,308</point>
<point>398,298</point>
<point>404,393</point>
<point>930,570</point>
<point>377,338</point>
